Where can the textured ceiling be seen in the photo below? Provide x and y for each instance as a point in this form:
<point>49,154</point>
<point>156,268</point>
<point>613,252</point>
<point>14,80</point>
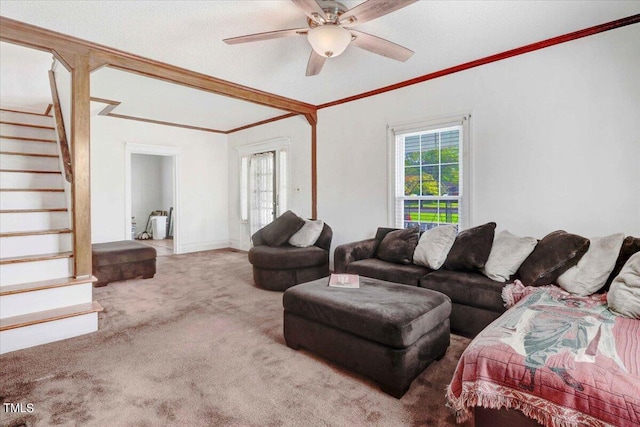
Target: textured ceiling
<point>189,34</point>
<point>24,82</point>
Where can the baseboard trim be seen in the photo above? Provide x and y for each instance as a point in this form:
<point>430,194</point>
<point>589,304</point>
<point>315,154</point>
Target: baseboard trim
<point>237,244</point>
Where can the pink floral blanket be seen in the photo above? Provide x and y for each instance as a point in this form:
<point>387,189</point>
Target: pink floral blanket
<point>562,360</point>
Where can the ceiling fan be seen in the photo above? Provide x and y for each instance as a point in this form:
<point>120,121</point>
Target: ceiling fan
<point>330,30</point>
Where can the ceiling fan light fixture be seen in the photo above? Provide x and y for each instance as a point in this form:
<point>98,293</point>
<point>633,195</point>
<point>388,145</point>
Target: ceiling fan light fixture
<point>329,40</point>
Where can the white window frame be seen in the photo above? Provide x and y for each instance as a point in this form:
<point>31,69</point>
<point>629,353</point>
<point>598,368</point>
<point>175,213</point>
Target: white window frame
<point>397,130</point>
<point>282,147</point>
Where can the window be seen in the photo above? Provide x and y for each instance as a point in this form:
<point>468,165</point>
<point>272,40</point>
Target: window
<point>429,173</point>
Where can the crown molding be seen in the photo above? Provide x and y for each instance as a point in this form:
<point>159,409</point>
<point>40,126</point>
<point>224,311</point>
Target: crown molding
<point>634,19</point>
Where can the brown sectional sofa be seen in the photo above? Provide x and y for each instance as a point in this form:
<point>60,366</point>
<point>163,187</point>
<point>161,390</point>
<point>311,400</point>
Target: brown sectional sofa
<point>476,299</point>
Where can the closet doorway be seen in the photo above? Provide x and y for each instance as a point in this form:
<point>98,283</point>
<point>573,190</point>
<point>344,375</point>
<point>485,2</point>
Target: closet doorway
<point>152,198</point>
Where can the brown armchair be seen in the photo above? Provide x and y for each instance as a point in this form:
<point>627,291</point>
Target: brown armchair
<point>277,268</point>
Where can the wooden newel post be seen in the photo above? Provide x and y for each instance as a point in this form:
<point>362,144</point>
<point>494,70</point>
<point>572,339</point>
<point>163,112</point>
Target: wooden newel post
<point>80,152</point>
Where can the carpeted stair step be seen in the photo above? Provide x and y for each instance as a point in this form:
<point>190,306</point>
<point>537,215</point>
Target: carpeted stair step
<point>43,327</point>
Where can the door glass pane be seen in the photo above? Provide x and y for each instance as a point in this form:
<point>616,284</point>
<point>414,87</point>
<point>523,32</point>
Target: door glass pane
<point>262,197</point>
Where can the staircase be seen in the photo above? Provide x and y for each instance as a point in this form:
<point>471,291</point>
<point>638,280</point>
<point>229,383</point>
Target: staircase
<point>40,300</point>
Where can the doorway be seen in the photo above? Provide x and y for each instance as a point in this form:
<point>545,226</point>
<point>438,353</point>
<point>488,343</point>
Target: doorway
<point>264,184</point>
<point>152,197</point>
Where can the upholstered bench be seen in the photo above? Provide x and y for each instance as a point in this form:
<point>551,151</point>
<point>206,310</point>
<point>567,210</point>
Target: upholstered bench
<point>126,259</point>
<point>386,331</point>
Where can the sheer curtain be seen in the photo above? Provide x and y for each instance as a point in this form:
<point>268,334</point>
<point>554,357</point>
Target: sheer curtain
<point>261,190</point>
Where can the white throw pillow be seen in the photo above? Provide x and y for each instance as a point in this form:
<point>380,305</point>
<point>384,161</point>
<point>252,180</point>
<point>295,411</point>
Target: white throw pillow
<point>624,294</point>
<point>593,269</point>
<point>507,255</point>
<point>308,234</point>
<point>434,246</point>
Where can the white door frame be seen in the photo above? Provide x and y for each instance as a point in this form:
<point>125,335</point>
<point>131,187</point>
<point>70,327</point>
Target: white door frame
<point>156,150</point>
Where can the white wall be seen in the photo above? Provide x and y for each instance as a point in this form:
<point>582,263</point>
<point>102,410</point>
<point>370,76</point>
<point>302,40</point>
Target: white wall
<point>204,215</point>
<point>555,141</point>
<point>166,185</point>
<point>298,131</point>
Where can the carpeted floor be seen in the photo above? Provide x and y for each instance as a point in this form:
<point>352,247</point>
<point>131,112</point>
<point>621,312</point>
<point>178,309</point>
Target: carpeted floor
<point>200,345</point>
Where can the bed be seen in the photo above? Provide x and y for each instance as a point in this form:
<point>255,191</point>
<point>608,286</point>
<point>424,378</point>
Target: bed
<point>557,358</point>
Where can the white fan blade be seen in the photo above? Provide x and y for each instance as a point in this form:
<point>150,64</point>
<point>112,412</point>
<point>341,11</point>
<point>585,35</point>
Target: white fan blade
<point>372,9</point>
<point>314,66</point>
<point>312,9</point>
<point>380,46</point>
<point>267,36</point>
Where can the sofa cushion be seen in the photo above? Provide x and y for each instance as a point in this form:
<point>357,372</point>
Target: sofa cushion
<point>308,234</point>
<point>471,248</point>
<point>630,246</point>
<point>278,232</point>
<point>398,246</point>
<point>591,272</point>
<point>287,257</point>
<point>507,254</point>
<point>326,235</point>
<point>383,231</point>
<point>624,295</point>
<point>387,313</point>
<point>466,288</point>
<point>557,252</point>
<point>383,270</point>
<point>434,246</point>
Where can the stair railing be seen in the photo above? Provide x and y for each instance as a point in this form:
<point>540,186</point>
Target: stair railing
<point>62,135</point>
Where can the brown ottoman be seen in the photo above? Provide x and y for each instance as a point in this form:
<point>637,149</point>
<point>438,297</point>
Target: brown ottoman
<point>122,260</point>
<point>386,331</point>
